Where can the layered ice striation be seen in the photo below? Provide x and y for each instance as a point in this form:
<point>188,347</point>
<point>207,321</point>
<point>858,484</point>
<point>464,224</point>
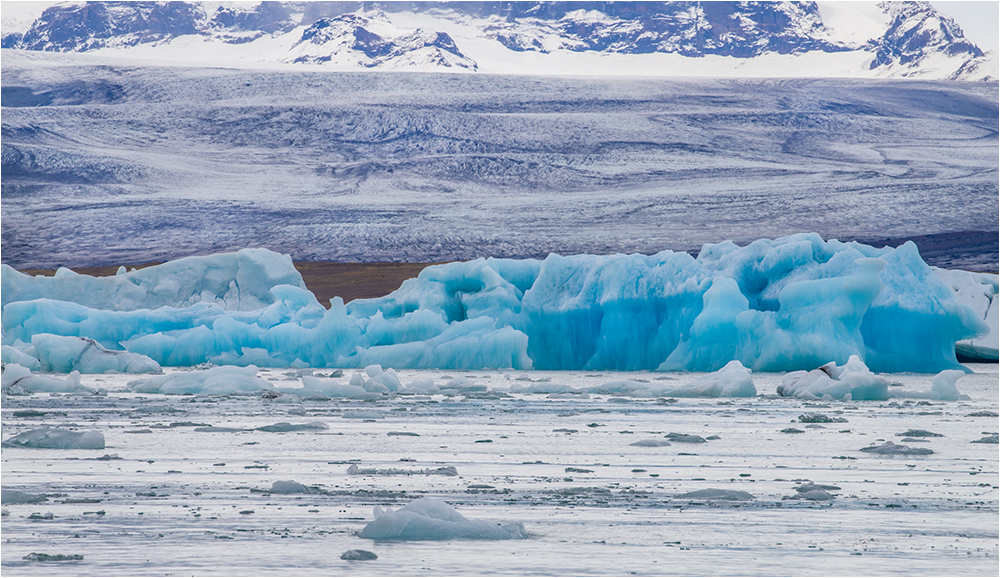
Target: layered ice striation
<point>793,303</point>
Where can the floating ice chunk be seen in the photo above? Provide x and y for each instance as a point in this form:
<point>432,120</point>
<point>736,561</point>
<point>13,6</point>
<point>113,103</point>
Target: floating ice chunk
<point>717,494</point>
<point>23,356</point>
<point>239,281</point>
<point>545,388</point>
<point>733,380</point>
<point>354,470</point>
<point>422,386</point>
<point>686,438</point>
<point>920,433</point>
<point>430,519</point>
<point>361,414</point>
<point>289,487</point>
<point>817,495</point>
<point>66,354</point>
<point>891,449</point>
<point>57,438</point>
<point>217,381</point>
<point>19,497</point>
<point>851,381</point>
<point>20,379</point>
<point>942,388</point>
<point>650,443</point>
<point>358,555</point>
<point>42,557</point>
<point>814,418</point>
<point>332,388</point>
<point>290,427</point>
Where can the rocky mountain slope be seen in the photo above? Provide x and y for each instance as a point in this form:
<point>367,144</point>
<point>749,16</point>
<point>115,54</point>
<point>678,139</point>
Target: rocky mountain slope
<point>888,39</point>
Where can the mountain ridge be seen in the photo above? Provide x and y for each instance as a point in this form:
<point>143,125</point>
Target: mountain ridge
<point>909,40</point>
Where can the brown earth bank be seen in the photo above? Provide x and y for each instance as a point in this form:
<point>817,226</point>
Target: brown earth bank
<point>325,279</point>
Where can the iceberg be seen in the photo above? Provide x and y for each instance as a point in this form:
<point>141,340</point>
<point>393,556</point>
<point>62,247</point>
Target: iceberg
<point>431,519</point>
<point>238,281</point>
<point>788,304</point>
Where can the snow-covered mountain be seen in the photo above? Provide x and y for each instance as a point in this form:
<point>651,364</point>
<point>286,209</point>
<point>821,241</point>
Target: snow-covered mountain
<point>758,39</point>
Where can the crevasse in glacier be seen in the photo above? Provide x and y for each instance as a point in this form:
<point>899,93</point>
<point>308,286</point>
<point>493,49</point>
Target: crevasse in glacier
<point>775,305</point>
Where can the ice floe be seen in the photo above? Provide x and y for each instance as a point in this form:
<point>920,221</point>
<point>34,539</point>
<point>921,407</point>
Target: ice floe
<point>794,303</point>
<point>431,519</point>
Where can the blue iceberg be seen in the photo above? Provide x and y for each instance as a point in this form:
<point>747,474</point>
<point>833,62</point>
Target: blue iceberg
<point>794,303</point>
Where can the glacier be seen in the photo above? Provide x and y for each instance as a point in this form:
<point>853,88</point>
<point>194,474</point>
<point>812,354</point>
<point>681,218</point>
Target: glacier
<point>794,303</point>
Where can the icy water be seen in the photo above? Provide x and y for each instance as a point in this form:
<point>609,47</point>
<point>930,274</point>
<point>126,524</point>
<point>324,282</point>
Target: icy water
<point>169,498</point>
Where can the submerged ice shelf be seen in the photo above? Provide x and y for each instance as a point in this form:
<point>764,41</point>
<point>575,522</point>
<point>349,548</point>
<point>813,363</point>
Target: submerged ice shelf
<point>793,303</point>
<point>210,484</point>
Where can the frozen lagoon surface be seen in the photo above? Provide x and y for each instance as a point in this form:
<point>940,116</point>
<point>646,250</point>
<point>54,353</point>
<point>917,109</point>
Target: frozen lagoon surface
<point>164,498</point>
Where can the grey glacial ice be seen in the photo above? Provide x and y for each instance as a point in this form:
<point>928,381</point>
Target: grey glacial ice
<point>166,162</point>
